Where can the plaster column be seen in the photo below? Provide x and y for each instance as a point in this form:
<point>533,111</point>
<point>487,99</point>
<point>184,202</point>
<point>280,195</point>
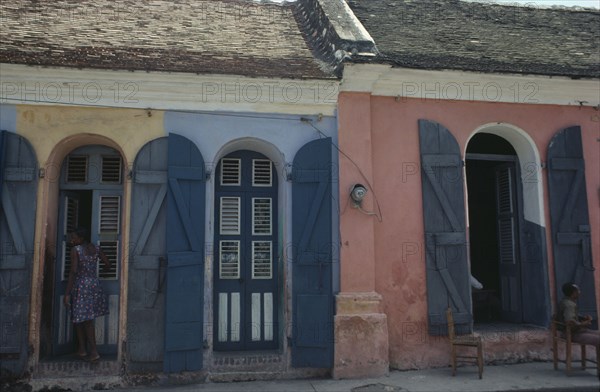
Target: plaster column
<point>361,334</point>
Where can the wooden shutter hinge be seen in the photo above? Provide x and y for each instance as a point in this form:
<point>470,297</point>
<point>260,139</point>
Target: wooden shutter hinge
<point>42,172</point>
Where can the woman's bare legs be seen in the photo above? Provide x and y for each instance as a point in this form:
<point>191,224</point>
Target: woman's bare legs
<point>90,334</point>
<point>79,331</point>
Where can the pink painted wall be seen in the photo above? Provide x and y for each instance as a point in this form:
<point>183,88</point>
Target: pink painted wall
<point>380,134</point>
<point>358,241</point>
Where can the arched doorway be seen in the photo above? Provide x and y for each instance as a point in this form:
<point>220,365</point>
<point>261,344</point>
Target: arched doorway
<point>90,196</point>
<point>246,289</point>
<point>506,227</point>
<point>494,226</point>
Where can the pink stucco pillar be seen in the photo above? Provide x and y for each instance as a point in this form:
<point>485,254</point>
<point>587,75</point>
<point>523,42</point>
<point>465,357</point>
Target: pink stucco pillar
<point>361,334</point>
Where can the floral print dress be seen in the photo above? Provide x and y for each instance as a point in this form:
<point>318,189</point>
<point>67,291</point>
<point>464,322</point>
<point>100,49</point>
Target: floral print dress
<point>88,298</point>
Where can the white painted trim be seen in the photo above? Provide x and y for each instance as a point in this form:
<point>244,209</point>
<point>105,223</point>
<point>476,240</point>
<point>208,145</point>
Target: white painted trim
<point>238,261</point>
<point>532,177</point>
<point>235,317</point>
<point>239,172</point>
<point>23,84</point>
<point>447,85</point>
<point>254,164</point>
<point>223,204</point>
<point>254,231</point>
<point>347,16</point>
<point>223,320</point>
<point>270,260</point>
<point>256,317</point>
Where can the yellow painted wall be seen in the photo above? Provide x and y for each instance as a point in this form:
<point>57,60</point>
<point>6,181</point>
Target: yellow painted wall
<point>54,131</point>
<point>46,126</point>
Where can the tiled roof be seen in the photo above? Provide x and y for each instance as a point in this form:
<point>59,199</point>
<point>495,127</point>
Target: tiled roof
<point>484,37</point>
<point>238,37</point>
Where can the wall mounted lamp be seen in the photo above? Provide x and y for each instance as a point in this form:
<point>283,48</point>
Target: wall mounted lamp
<point>358,193</point>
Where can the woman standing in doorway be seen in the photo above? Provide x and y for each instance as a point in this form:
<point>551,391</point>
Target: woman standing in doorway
<point>84,294</point>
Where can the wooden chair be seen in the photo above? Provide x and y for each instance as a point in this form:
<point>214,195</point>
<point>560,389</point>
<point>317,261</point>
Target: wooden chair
<point>465,341</point>
<point>561,332</point>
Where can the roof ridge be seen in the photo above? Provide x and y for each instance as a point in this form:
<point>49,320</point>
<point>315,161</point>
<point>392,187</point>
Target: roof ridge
<point>333,32</point>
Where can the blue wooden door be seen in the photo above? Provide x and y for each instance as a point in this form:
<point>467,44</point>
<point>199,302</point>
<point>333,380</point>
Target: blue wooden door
<point>571,231</point>
<point>184,313</point>
<point>312,292</point>
<point>445,235</point>
<point>147,258</point>
<point>18,195</point>
<point>246,264</point>
<point>91,189</point>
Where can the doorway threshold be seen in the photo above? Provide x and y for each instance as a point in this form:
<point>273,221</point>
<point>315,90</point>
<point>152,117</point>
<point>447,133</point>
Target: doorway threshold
<point>501,326</point>
<point>65,366</point>
<point>502,333</point>
<point>236,361</point>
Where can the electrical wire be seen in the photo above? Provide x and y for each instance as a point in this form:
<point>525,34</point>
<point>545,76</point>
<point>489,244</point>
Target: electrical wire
<point>377,214</point>
<point>304,120</point>
<point>207,112</point>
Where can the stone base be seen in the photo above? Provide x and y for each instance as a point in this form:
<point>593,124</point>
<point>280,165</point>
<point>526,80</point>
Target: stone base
<point>361,337</point>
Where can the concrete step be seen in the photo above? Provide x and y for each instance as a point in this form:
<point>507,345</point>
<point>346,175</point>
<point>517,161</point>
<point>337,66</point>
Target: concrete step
<point>223,362</point>
<point>75,383</point>
<point>67,367</point>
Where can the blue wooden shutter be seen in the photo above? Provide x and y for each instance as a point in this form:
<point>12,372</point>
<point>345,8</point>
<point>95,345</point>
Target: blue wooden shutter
<point>312,296</point>
<point>18,197</point>
<point>148,253</point>
<point>185,253</point>
<point>445,237</point>
<point>571,232</point>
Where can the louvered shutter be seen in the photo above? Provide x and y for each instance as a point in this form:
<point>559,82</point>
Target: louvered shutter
<point>571,231</point>
<point>185,250</point>
<point>111,169</point>
<point>70,224</point>
<point>230,210</point>
<point>109,232</point>
<point>508,243</point>
<point>148,254</point>
<point>18,168</point>
<point>77,169</point>
<point>231,172</point>
<point>68,221</point>
<point>444,223</point>
<point>261,172</point>
<point>312,294</point>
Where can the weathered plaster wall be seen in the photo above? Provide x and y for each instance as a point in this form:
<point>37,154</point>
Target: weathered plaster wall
<point>8,118</point>
<point>380,134</point>
<point>357,230</point>
<point>277,136</point>
<point>47,126</point>
<point>53,132</point>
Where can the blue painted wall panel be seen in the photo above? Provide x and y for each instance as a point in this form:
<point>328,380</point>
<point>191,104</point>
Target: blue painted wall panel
<point>8,118</point>
<point>279,137</point>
